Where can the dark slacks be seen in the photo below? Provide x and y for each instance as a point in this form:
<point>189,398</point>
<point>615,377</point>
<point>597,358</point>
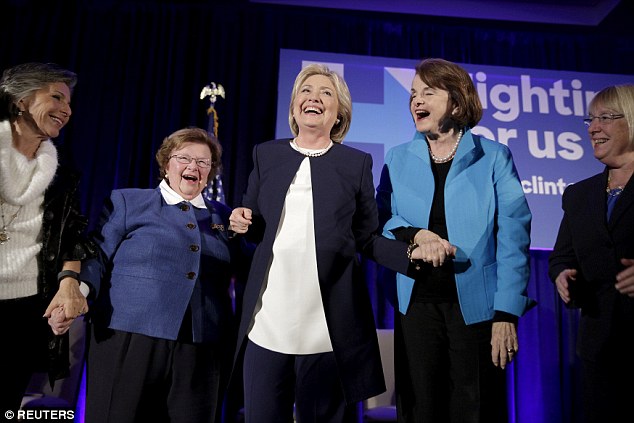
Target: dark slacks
<point>273,382</point>
<point>25,349</point>
<point>135,378</point>
<point>607,377</point>
<point>444,371</point>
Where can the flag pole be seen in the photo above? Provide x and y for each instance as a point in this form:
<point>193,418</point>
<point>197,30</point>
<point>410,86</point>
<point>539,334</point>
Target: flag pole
<point>214,190</point>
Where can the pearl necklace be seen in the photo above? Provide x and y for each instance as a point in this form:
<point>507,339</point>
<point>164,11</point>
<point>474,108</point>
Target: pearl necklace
<point>308,152</point>
<point>451,154</point>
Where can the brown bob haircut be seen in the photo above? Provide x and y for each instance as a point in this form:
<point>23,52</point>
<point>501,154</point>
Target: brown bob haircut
<point>445,75</point>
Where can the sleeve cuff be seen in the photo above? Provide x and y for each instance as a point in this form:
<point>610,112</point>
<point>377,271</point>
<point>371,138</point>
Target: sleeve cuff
<point>84,288</point>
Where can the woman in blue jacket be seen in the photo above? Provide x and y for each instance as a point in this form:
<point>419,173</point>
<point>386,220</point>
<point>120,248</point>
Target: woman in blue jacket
<point>162,322</point>
<point>457,197</point>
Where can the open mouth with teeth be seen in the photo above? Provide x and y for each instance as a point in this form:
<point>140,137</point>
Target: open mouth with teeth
<point>57,120</point>
<point>312,110</point>
<point>191,178</point>
<point>421,114</point>
<point>600,141</point>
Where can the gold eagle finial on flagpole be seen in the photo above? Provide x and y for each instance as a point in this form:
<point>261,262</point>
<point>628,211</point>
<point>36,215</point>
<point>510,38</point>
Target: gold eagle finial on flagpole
<point>213,90</point>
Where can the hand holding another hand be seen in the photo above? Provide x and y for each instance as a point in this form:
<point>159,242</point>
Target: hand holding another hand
<point>432,248</point>
<point>59,323</point>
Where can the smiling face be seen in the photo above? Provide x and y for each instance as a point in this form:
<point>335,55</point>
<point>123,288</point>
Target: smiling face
<point>47,110</point>
<point>316,105</point>
<point>188,180</point>
<point>610,140</point>
<point>428,106</point>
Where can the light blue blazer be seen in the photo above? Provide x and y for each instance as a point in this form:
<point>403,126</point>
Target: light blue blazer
<point>487,216</point>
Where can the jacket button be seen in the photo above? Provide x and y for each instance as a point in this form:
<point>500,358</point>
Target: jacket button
<point>191,226</point>
<point>50,257</point>
<point>49,215</point>
<point>191,275</point>
<point>194,247</point>
<point>184,207</point>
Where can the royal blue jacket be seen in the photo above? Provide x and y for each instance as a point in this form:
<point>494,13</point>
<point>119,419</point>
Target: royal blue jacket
<point>156,260</point>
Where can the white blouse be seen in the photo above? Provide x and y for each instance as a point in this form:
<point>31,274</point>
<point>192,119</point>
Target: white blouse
<point>290,316</point>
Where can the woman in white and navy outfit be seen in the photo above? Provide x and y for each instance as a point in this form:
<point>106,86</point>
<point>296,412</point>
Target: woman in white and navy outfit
<point>307,328</point>
<point>162,323</point>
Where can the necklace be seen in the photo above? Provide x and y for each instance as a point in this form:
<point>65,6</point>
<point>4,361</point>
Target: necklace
<point>451,154</point>
<point>4,234</point>
<point>613,192</point>
<point>310,153</point>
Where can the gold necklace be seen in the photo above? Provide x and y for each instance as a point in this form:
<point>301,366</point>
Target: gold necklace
<point>613,192</point>
<point>4,234</point>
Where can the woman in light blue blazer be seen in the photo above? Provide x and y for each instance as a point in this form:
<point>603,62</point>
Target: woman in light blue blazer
<point>162,325</point>
<point>457,197</point>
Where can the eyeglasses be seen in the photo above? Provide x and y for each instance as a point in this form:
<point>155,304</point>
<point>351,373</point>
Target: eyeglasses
<point>603,119</point>
<point>202,163</point>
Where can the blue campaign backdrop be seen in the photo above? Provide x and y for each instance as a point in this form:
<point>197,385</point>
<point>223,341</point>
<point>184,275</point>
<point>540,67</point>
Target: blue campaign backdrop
<point>537,113</point>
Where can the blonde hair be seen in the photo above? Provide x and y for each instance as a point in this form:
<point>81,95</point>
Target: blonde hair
<point>620,98</point>
<point>344,112</point>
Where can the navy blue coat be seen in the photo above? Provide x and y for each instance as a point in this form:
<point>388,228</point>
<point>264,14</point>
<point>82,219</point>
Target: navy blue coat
<point>346,222</point>
<point>589,243</point>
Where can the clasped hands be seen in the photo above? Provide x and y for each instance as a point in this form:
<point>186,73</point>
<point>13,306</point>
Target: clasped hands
<point>432,248</point>
<point>68,304</point>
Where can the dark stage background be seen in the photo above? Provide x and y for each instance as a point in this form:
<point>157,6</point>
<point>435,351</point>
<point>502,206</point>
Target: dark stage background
<point>142,65</point>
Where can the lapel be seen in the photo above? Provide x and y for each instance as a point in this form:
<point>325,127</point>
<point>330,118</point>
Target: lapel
<point>416,170</point>
<point>469,150</point>
<point>623,204</point>
<point>277,165</point>
<point>596,206</point>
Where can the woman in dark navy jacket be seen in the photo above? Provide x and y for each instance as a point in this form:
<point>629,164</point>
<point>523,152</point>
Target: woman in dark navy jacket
<point>307,326</point>
<point>592,263</point>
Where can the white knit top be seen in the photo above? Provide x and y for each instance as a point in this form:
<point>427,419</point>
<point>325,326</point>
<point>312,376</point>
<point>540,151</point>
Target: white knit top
<point>290,317</point>
<point>22,186</point>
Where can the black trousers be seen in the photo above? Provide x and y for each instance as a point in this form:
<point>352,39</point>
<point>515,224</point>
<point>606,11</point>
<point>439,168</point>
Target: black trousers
<point>608,390</point>
<point>136,378</point>
<point>273,382</point>
<point>25,349</point>
<point>444,371</point>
